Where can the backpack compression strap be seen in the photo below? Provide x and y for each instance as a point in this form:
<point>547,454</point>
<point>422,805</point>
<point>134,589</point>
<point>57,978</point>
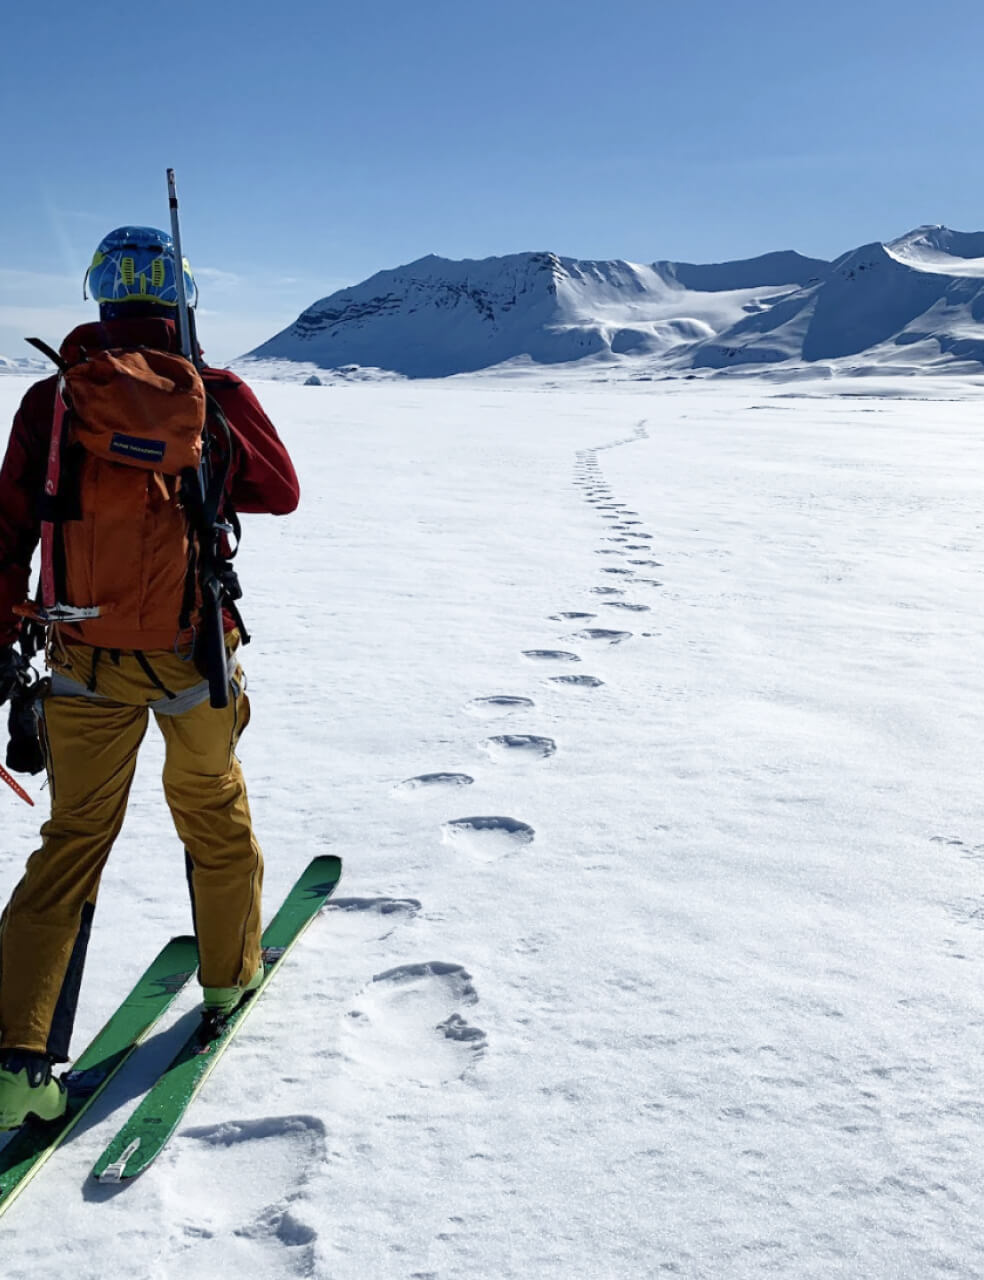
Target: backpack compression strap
<point>49,610</point>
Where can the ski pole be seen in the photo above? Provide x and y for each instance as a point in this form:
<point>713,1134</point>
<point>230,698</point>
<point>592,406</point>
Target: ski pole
<point>184,326</point>
<point>211,620</point>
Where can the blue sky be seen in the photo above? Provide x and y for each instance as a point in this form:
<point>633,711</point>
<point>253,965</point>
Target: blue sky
<point>316,143</point>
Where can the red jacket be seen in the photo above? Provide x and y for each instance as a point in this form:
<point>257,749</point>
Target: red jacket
<point>262,477</point>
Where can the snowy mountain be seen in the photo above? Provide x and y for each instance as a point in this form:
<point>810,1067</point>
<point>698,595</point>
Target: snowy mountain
<point>21,366</point>
<point>436,317</point>
<point>918,299</point>
<point>915,302</point>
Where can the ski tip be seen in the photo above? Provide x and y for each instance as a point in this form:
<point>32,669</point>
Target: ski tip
<point>114,1173</point>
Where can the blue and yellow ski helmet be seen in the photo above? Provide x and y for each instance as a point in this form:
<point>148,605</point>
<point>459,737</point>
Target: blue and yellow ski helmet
<point>136,264</point>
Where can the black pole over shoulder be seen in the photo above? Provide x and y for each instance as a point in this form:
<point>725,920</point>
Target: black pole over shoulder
<point>50,352</point>
<point>211,640</point>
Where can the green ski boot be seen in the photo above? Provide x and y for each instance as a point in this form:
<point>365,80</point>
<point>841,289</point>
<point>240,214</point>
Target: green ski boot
<point>27,1088</point>
<point>219,1002</point>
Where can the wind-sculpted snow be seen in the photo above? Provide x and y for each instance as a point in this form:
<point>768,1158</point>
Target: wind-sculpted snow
<point>912,304</point>
<point>940,249</point>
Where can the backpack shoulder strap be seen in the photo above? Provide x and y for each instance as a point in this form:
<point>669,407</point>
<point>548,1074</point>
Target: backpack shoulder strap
<point>50,352</point>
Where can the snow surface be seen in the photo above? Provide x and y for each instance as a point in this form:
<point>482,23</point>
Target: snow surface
<point>646,718</point>
<point>913,304</point>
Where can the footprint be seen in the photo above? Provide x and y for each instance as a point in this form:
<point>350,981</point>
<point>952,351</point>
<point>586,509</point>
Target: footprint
<point>550,655</point>
<point>427,780</point>
<point>624,604</point>
<point>602,633</point>
<point>607,591</point>
<point>614,551</point>
<point>407,907</point>
<point>269,1162</point>
<point>968,911</point>
<point>497,706</point>
<point>509,746</point>
<point>561,617</point>
<point>408,1025</point>
<point>649,582</point>
<point>577,682</point>
<point>358,915</point>
<point>650,564</point>
<point>624,572</point>
<point>487,839</point>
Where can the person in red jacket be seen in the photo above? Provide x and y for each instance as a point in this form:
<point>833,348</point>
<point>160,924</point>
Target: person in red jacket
<point>106,681</point>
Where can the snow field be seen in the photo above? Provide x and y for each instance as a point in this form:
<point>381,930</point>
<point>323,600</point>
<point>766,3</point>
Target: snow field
<point>670,971</point>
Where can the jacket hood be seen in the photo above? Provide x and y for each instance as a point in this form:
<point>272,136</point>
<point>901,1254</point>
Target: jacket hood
<point>102,335</point>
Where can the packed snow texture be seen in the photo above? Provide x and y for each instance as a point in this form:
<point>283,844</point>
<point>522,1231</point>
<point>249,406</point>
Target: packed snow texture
<point>913,304</point>
<point>647,721</point>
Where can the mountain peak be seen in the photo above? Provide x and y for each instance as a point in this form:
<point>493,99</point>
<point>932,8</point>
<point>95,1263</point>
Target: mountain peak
<point>920,294</point>
<point>940,250</point>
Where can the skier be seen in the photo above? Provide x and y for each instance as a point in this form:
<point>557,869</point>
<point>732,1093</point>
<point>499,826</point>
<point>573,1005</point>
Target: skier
<point>112,664</point>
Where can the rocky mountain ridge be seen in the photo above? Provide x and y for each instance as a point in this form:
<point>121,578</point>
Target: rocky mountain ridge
<point>918,299</point>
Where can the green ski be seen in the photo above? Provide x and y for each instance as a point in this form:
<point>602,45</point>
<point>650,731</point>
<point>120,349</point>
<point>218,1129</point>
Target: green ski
<point>31,1145</point>
<point>150,1127</point>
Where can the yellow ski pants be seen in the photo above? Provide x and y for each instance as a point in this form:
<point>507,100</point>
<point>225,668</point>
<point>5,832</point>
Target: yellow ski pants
<point>93,722</point>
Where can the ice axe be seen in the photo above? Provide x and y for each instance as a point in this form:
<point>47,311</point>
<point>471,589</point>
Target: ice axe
<point>14,785</point>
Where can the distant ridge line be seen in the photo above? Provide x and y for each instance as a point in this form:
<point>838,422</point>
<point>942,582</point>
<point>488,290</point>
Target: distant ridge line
<point>915,303</point>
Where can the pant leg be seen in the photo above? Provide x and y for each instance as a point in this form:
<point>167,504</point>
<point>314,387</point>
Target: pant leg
<point>206,793</point>
<point>92,751</point>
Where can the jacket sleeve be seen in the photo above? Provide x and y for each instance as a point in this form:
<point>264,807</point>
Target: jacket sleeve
<point>21,483</point>
<point>262,479</point>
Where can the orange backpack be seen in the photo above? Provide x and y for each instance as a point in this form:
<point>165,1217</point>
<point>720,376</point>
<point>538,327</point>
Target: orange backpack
<point>118,556</point>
